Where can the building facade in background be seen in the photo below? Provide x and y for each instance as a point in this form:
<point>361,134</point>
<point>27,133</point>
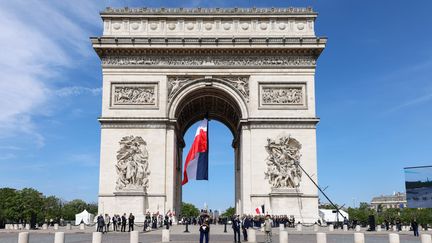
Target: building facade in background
<point>397,200</point>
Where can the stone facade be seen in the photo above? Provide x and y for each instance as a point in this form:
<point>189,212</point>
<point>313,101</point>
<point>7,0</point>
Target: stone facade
<point>397,200</point>
<point>252,69</point>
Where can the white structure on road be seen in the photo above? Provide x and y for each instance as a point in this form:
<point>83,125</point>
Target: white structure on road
<point>252,69</point>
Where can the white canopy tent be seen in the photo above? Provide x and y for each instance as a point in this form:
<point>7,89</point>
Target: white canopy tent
<point>331,216</point>
<point>84,217</point>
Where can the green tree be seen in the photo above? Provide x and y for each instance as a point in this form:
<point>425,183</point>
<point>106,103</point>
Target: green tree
<point>229,212</point>
<point>29,203</point>
<point>361,214</point>
<point>189,210</point>
<point>52,208</point>
<point>73,207</point>
<point>7,197</point>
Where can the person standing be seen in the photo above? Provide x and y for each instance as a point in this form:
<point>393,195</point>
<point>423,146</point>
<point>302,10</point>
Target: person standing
<point>236,228</point>
<point>114,222</point>
<point>100,223</point>
<point>166,222</point>
<point>268,229</point>
<point>204,231</point>
<point>245,226</point>
<point>131,222</point>
<point>414,226</point>
<point>123,223</point>
<point>107,223</point>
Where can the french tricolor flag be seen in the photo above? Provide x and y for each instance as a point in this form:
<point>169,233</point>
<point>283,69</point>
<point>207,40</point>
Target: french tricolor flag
<point>196,165</point>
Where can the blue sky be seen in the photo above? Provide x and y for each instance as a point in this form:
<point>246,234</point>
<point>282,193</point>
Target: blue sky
<point>373,93</point>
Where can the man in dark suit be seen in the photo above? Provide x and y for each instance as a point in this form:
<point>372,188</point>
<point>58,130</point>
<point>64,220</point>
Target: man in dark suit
<point>236,228</point>
<point>123,223</point>
<point>131,222</point>
<point>245,226</point>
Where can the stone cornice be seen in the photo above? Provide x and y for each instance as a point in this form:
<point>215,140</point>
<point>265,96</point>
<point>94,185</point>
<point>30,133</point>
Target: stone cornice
<point>208,58</point>
<point>207,11</point>
<point>217,42</point>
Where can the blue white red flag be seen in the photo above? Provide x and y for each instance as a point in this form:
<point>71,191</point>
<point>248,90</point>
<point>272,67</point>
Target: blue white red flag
<point>196,165</point>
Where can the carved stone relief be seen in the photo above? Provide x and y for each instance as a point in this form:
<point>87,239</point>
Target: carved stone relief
<point>283,95</point>
<point>241,84</point>
<point>282,162</point>
<point>132,164</point>
<point>201,60</point>
<point>124,95</point>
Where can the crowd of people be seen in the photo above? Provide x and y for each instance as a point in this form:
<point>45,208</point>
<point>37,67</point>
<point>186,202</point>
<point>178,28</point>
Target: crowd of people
<point>119,223</point>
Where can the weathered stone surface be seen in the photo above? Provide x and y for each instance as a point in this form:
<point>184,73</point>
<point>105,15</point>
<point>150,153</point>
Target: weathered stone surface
<point>164,72</point>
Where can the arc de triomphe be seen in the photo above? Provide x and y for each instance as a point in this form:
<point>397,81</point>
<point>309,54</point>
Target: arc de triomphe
<point>252,69</point>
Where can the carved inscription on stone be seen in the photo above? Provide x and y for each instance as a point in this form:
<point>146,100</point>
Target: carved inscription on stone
<point>176,60</point>
<point>131,95</point>
<point>282,162</point>
<point>132,164</point>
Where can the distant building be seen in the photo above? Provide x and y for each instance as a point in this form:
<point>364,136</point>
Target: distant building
<point>397,200</point>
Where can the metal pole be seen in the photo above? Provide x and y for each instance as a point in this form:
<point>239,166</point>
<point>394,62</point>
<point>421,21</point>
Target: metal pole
<point>337,209</point>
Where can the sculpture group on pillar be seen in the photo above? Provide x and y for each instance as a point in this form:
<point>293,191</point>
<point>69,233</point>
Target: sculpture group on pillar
<point>282,163</point>
<point>132,164</point>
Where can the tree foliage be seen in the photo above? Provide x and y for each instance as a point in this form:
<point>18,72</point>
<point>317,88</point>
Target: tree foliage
<point>189,210</point>
<point>229,212</point>
<point>404,215</point>
<point>23,205</point>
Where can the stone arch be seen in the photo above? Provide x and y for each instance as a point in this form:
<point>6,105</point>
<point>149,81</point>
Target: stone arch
<point>215,95</point>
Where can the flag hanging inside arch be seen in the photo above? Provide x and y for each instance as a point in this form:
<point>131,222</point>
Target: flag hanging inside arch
<point>196,165</point>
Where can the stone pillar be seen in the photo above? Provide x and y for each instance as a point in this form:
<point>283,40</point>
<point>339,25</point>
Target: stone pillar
<point>23,237</point>
<point>56,226</point>
<point>393,238</point>
<point>395,228</point>
<point>252,236</point>
<point>359,238</point>
<point>281,227</point>
<point>27,226</point>
<point>68,226</point>
<point>331,227</point>
<point>316,227</point>
<point>97,237</point>
<point>321,237</point>
<point>15,226</point>
<point>165,235</point>
<point>134,236</point>
<point>299,227</point>
<point>283,237</point>
<point>345,227</point>
<point>357,228</point>
<point>59,237</point>
<point>82,226</point>
<point>378,228</point>
<point>425,238</point>
<point>44,226</point>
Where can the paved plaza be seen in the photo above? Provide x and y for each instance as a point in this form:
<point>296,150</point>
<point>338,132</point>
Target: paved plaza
<point>216,235</point>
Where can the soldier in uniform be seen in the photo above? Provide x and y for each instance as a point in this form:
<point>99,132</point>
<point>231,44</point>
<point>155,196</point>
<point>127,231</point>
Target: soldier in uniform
<point>204,231</point>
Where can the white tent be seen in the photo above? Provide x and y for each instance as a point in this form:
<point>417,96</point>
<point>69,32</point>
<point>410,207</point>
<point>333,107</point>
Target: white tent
<point>331,216</point>
<point>85,217</point>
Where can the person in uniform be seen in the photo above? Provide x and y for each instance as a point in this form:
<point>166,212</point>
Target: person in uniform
<point>204,231</point>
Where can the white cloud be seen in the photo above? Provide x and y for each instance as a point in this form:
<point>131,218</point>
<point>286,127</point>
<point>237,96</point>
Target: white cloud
<point>77,90</point>
<point>38,40</point>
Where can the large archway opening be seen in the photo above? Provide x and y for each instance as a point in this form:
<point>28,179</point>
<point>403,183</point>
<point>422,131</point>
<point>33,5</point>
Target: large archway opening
<point>223,106</point>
